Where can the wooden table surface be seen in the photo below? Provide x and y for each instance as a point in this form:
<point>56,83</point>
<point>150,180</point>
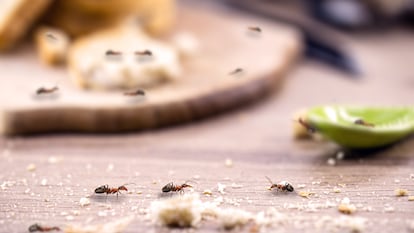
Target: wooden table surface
<point>256,138</point>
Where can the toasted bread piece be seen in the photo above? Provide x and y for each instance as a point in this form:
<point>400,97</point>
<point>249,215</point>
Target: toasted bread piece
<point>79,17</point>
<point>121,58</point>
<point>16,17</point>
<point>52,45</point>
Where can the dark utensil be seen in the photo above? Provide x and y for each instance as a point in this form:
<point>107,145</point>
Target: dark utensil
<point>320,42</point>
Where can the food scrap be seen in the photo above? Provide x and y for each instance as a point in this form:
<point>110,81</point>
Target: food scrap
<point>52,45</point>
<point>179,211</point>
<point>401,192</point>
<point>233,217</point>
<point>84,201</point>
<point>346,208</point>
<point>220,188</point>
<point>306,194</point>
<point>31,167</point>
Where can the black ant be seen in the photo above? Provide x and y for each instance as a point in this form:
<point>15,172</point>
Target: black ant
<point>112,52</point>
<point>362,122</point>
<point>135,93</point>
<point>305,124</point>
<point>143,53</point>
<point>106,189</point>
<point>36,227</point>
<point>51,36</point>
<point>44,90</point>
<point>256,29</point>
<point>170,187</point>
<point>236,71</point>
<point>281,186</point>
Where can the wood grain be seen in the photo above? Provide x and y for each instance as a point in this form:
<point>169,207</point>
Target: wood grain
<point>257,139</point>
<point>206,87</point>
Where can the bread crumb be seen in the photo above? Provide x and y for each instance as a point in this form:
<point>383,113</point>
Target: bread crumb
<point>31,167</point>
<point>108,227</point>
<point>301,186</point>
<point>336,190</point>
<point>411,198</point>
<point>347,208</point>
<point>52,45</point>
<point>340,155</point>
<point>401,192</point>
<point>138,192</point>
<point>84,201</point>
<point>236,186</point>
<point>220,188</point>
<point>331,224</point>
<point>270,218</point>
<point>43,182</point>
<point>306,194</point>
<point>231,218</point>
<point>54,160</point>
<point>186,44</point>
<point>207,192</point>
<point>110,167</point>
<point>388,209</point>
<point>300,132</point>
<point>331,162</point>
<point>178,211</point>
<point>345,200</point>
<point>228,162</point>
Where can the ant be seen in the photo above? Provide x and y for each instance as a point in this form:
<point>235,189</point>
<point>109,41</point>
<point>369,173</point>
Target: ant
<point>135,93</point>
<point>236,71</point>
<point>143,53</point>
<point>282,186</point>
<point>112,52</point>
<point>256,29</point>
<point>51,36</point>
<point>44,90</point>
<point>106,189</point>
<point>362,122</point>
<point>36,227</point>
<point>305,124</point>
<point>170,187</point>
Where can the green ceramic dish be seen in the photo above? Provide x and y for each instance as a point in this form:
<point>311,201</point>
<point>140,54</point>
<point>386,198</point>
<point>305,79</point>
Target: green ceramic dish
<point>362,127</point>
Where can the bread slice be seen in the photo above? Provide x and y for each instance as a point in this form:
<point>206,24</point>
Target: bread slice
<point>79,17</point>
<point>122,58</point>
<point>16,17</point>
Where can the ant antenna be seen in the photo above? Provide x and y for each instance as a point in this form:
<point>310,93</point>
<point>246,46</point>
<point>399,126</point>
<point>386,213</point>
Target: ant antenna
<point>270,181</point>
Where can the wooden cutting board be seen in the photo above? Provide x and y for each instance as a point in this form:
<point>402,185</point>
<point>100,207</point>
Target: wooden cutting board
<point>206,88</point>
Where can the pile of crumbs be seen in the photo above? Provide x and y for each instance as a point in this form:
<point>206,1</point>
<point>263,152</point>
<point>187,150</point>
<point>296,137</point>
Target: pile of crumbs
<point>188,211</point>
<point>333,224</point>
